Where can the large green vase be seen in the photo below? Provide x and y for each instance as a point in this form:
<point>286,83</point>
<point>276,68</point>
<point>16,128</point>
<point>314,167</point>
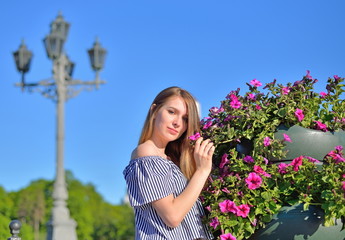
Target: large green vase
<point>293,223</point>
<point>309,142</point>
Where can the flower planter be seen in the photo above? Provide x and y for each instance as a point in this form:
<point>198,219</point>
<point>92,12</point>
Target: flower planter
<point>305,142</point>
<point>293,223</point>
<point>309,142</point>
<point>244,130</point>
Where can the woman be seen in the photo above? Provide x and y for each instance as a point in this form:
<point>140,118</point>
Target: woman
<point>166,173</point>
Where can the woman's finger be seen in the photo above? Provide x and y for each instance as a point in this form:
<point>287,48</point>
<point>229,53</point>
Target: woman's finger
<point>211,151</point>
<point>203,145</point>
<point>208,147</point>
<point>197,144</point>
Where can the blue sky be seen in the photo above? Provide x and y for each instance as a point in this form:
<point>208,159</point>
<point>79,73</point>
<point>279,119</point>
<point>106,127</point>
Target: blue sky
<point>206,47</point>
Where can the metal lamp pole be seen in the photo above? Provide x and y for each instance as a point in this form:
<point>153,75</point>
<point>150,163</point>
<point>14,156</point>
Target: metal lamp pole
<point>60,87</point>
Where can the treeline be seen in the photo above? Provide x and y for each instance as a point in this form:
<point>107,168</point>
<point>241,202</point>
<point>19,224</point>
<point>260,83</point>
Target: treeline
<point>97,219</point>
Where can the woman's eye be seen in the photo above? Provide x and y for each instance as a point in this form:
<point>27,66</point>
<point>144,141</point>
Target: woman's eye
<point>171,111</point>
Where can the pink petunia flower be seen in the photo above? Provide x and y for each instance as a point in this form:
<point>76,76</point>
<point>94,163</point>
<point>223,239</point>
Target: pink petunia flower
<point>308,75</point>
<point>251,96</point>
<point>235,104</point>
<point>323,94</point>
<point>253,181</point>
<point>321,126</point>
<point>225,190</point>
<point>299,114</point>
<point>285,90</point>
<point>223,206</point>
<point>338,159</point>
<point>227,206</point>
<point>243,210</point>
<point>233,97</point>
<point>255,83</point>
<point>195,136</point>
<point>339,148</point>
<point>248,159</point>
<point>313,160</point>
<point>260,171</point>
<point>267,141</point>
<point>286,138</point>
<point>296,163</point>
<point>343,185</point>
<point>224,161</point>
<point>227,236</point>
<point>214,223</point>
<point>232,207</point>
<point>332,154</point>
<point>257,107</point>
<point>282,168</point>
<point>207,125</point>
<point>215,110</point>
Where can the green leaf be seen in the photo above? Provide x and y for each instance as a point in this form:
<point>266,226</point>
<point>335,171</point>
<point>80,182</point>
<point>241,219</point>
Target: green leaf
<point>267,218</point>
<point>281,112</point>
<point>249,227</point>
<point>266,195</point>
<point>232,223</point>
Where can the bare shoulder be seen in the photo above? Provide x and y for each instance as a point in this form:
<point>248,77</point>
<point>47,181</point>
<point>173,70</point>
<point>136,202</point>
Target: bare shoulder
<point>143,150</point>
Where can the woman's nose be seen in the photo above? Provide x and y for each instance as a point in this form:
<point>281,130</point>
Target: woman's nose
<point>176,122</point>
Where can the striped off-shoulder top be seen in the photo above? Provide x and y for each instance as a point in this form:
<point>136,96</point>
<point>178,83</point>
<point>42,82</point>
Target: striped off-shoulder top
<point>151,178</point>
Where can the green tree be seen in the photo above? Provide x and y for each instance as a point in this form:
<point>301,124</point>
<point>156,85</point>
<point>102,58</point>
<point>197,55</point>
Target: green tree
<point>124,216</point>
<point>97,219</point>
<point>31,205</point>
<point>81,202</point>
<point>114,222</point>
<point>7,214</point>
<point>6,203</point>
<point>6,207</point>
<point>4,223</point>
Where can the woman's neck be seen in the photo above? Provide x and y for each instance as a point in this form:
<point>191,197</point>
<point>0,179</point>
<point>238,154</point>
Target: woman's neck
<point>159,148</point>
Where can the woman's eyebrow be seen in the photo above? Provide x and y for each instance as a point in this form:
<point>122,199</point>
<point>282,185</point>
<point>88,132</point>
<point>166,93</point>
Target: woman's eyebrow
<point>178,111</point>
<point>173,108</point>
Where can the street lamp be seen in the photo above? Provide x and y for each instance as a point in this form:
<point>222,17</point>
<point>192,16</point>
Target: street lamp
<point>97,57</point>
<point>22,58</point>
<point>60,87</point>
<point>54,45</point>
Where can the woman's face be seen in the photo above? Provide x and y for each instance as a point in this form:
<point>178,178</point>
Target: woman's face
<point>171,120</point>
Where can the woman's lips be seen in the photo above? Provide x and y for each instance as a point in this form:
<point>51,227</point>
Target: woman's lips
<point>173,131</point>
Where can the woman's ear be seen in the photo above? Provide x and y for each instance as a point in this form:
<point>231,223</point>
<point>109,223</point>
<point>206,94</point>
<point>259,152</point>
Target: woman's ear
<point>152,108</point>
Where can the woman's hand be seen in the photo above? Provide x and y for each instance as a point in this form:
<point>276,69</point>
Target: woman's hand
<point>203,152</point>
<point>172,210</point>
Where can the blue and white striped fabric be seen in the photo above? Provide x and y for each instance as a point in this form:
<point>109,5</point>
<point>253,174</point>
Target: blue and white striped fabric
<point>151,178</point>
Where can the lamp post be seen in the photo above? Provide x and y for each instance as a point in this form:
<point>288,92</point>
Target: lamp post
<point>60,87</point>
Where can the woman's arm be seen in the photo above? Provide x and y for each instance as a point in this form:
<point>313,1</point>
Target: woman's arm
<point>173,210</point>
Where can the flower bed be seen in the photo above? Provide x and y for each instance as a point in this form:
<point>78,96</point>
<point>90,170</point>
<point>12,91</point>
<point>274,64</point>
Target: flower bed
<point>246,189</point>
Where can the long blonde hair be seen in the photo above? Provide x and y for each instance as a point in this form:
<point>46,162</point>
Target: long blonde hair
<point>180,150</point>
